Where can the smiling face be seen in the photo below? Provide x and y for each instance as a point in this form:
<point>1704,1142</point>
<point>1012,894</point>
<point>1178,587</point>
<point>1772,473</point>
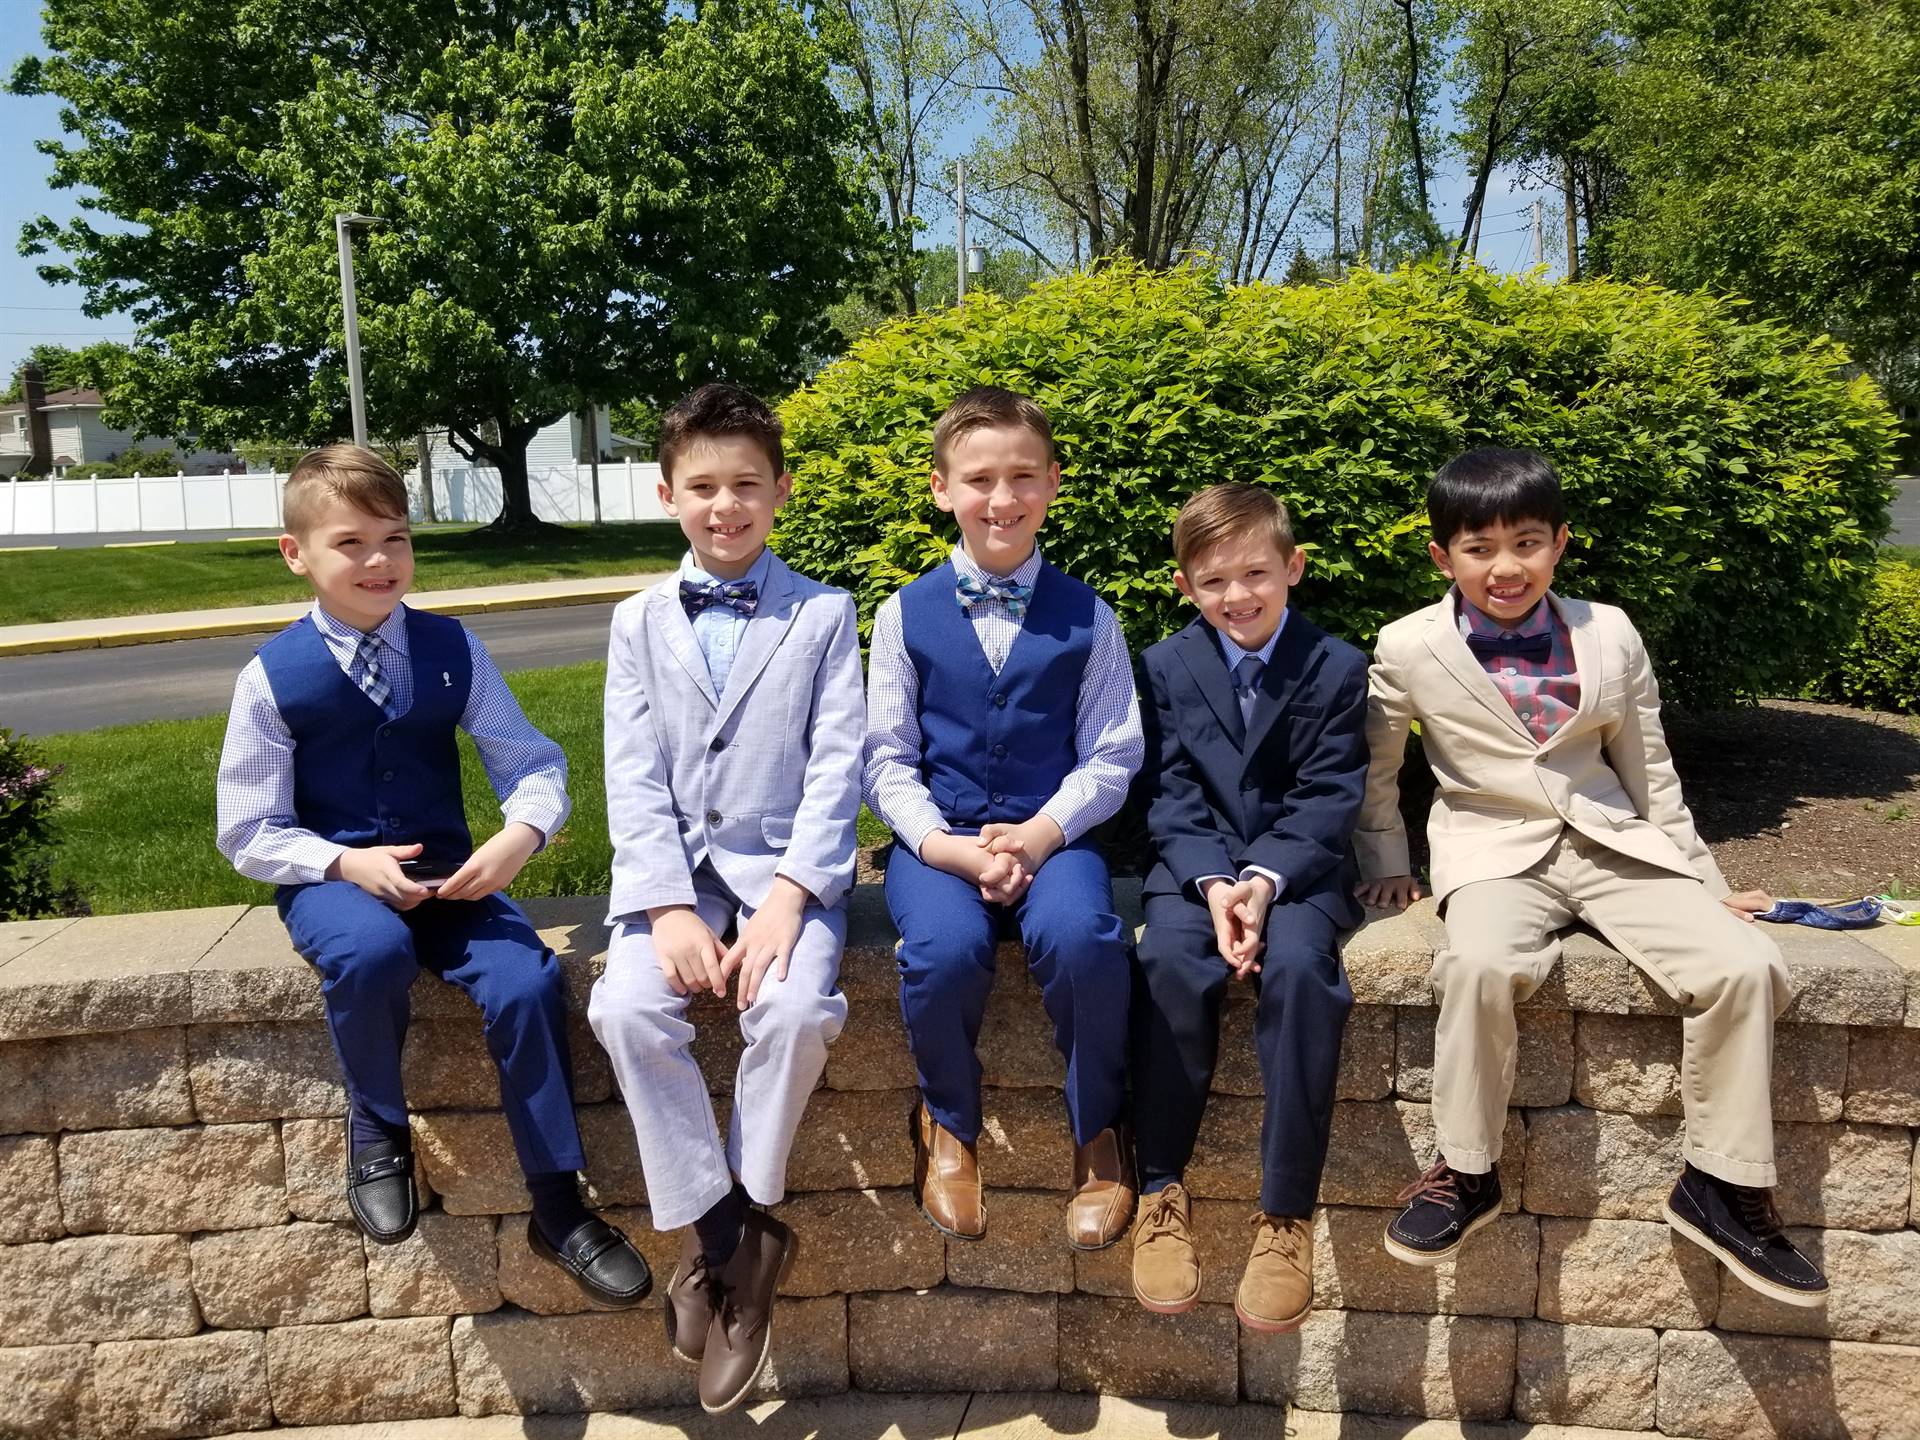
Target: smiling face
<point>724,493</point>
<point>1241,585</point>
<point>997,482</point>
<point>359,564</point>
<point>1502,568</point>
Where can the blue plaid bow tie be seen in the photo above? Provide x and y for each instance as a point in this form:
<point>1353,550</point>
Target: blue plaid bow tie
<point>740,596</point>
<point>1536,648</point>
<point>1010,593</point>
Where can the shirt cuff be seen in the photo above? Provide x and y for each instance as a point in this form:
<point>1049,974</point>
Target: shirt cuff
<point>302,862</point>
<point>1279,881</point>
<point>1071,818</point>
<point>1200,883</point>
<point>546,819</point>
<point>914,833</point>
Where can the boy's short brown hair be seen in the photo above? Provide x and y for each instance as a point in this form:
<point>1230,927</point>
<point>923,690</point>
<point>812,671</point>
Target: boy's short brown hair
<point>715,410</point>
<point>987,407</point>
<point>340,472</point>
<point>1224,512</point>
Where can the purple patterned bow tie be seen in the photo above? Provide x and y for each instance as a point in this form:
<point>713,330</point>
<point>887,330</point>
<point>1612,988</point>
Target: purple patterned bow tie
<point>740,596</point>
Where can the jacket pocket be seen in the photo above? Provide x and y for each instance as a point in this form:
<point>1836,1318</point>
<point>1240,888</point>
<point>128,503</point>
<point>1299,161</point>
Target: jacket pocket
<point>776,830</point>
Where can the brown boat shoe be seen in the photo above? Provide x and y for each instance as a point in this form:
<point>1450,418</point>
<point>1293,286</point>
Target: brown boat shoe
<point>946,1178</point>
<point>1103,1197</point>
<point>1276,1293</point>
<point>1166,1268</point>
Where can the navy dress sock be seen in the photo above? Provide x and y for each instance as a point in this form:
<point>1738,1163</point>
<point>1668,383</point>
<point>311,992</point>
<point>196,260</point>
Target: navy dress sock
<point>557,1207</point>
<point>720,1229</point>
<point>364,1130</point>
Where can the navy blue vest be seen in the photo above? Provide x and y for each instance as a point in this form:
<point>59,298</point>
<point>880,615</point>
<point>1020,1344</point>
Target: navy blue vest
<point>995,747</point>
<point>359,778</point>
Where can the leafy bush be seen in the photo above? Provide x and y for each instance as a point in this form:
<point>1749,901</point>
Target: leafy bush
<point>27,889</point>
<point>1880,667</point>
<point>1726,481</point>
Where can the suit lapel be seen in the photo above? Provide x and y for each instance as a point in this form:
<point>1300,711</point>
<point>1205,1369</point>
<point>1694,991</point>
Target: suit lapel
<point>1443,639</point>
<point>1293,659</point>
<point>670,622</point>
<point>1577,616</point>
<point>765,631</point>
<point>1200,653</point>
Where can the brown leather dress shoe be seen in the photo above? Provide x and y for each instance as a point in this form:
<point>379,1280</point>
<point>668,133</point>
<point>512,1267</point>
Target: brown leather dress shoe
<point>946,1178</point>
<point>689,1302</point>
<point>1102,1202</point>
<point>1276,1293</point>
<point>1166,1268</point>
<point>741,1331</point>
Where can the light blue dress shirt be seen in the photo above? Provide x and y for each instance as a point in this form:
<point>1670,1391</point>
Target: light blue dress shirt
<point>718,628</point>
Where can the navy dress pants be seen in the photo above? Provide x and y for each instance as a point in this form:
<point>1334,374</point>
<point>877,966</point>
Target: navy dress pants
<point>1076,950</point>
<point>368,955</point>
<point>1302,1000</point>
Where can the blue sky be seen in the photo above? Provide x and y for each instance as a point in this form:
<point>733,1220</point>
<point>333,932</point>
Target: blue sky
<point>32,311</point>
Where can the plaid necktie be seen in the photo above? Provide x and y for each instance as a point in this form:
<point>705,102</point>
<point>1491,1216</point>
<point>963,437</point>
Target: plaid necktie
<point>371,680</point>
<point>1010,593</point>
<point>1246,684</point>
<point>740,596</point>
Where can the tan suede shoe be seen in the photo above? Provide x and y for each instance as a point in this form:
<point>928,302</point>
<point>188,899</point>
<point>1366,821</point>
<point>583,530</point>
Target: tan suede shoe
<point>1102,1202</point>
<point>946,1179</point>
<point>1277,1291</point>
<point>1166,1268</point>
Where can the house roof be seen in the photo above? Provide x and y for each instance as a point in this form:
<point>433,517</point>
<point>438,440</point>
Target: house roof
<point>69,398</point>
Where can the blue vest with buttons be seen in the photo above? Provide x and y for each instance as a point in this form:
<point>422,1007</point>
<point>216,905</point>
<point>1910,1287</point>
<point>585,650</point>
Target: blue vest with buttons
<point>359,778</point>
<point>993,747</point>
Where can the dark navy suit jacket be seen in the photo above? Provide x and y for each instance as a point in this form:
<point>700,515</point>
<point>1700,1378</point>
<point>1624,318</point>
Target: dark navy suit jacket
<point>1282,792</point>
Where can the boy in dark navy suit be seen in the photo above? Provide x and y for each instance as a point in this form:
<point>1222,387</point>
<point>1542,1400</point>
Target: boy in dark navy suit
<point>1256,764</point>
<point>339,783</point>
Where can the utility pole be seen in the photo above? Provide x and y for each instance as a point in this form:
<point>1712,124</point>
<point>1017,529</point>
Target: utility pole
<point>1572,219</point>
<point>960,228</point>
<point>1539,234</point>
<point>343,226</point>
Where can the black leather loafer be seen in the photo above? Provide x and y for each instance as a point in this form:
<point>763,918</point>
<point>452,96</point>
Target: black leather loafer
<point>380,1191</point>
<point>601,1260</point>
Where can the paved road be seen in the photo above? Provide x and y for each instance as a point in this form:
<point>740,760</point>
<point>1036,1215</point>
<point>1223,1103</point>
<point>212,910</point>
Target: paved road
<point>85,689</point>
<point>1906,512</point>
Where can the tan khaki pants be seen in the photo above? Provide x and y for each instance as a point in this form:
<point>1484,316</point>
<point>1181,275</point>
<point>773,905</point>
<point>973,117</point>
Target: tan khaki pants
<point>1502,941</point>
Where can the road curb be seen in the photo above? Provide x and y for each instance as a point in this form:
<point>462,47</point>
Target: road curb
<point>129,632</point>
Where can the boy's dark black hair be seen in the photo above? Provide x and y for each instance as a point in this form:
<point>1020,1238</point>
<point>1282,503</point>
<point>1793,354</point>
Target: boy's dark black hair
<point>1487,485</point>
<point>719,409</point>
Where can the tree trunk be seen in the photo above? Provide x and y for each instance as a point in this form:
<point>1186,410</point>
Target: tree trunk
<point>1410,102</point>
<point>516,515</point>
<point>1572,215</point>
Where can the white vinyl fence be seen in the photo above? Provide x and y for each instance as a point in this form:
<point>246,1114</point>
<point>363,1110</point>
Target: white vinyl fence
<point>251,501</point>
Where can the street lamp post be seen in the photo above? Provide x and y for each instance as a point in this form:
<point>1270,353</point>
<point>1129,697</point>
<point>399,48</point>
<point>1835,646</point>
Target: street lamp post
<point>343,226</point>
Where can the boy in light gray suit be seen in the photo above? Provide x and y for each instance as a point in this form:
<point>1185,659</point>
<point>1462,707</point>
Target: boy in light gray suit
<point>734,720</point>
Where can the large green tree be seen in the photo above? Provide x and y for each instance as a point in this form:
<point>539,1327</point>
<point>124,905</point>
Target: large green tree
<point>583,201</point>
<point>64,368</point>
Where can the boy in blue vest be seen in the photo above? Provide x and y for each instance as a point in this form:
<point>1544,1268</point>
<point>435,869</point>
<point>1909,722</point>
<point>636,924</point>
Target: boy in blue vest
<point>1002,727</point>
<point>340,785</point>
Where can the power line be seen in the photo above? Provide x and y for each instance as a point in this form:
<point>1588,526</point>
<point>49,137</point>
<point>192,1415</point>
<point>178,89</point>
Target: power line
<point>70,309</point>
<point>76,334</point>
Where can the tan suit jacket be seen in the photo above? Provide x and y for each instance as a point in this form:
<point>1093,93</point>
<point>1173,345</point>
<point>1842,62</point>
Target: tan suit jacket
<point>1503,797</point>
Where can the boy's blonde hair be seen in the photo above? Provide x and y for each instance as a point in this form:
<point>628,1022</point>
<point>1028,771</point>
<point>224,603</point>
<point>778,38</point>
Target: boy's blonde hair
<point>1225,512</point>
<point>988,407</point>
<point>341,472</point>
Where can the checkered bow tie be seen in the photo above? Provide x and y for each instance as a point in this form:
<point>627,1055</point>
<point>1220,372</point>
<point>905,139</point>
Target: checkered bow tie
<point>1010,593</point>
<point>740,596</point>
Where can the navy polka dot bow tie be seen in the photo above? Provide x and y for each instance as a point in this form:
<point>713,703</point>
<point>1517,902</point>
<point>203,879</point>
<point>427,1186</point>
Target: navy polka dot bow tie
<point>740,596</point>
<point>1010,593</point>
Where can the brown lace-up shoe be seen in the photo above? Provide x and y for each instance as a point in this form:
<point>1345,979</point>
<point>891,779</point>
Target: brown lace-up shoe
<point>1102,1202</point>
<point>1166,1269</point>
<point>1277,1291</point>
<point>741,1295</point>
<point>946,1178</point>
<point>689,1302</point>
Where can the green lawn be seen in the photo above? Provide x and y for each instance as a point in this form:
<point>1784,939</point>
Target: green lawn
<point>136,818</point>
<point>40,585</point>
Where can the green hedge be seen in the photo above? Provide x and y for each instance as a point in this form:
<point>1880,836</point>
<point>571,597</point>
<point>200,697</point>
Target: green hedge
<point>1727,483</point>
<point>1880,667</point>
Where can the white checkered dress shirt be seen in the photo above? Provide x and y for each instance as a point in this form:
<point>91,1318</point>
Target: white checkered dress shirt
<point>1106,733</point>
<point>258,830</point>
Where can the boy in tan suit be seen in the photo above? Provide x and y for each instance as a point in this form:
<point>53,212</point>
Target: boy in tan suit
<point>1558,801</point>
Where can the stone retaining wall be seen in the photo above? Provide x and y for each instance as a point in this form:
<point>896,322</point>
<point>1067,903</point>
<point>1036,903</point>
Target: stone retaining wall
<point>175,1258</point>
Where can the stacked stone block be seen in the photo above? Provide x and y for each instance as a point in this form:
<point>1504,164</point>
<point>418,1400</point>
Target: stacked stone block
<point>176,1258</point>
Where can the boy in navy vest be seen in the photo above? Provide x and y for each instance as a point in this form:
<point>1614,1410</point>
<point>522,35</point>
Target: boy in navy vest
<point>1256,764</point>
<point>1002,727</point>
<point>341,775</point>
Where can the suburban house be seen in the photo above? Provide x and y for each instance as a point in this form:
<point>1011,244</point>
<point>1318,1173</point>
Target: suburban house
<point>49,433</point>
<point>559,445</point>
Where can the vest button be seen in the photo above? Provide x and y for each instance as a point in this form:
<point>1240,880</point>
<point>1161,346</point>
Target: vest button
<point>718,743</point>
<point>999,752</point>
<point>1000,699</point>
<point>386,775</point>
<point>713,817</point>
<point>998,798</point>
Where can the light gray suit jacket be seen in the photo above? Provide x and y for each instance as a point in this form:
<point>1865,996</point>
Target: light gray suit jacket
<point>759,782</point>
<point>1503,798</point>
